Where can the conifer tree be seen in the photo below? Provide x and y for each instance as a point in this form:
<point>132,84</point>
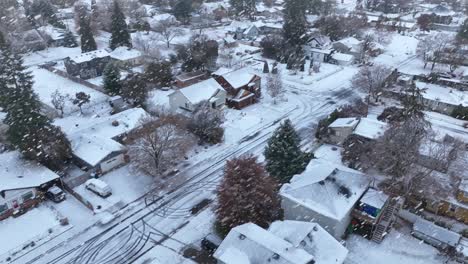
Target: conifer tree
<point>87,39</point>
<point>182,10</point>
<point>462,34</point>
<point>69,40</point>
<point>112,82</point>
<point>295,23</point>
<point>283,155</point>
<point>246,194</point>
<point>119,29</point>
<point>2,40</point>
<point>29,130</point>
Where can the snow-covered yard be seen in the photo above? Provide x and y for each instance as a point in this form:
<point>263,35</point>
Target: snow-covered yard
<point>46,83</point>
<point>395,248</point>
<point>33,226</point>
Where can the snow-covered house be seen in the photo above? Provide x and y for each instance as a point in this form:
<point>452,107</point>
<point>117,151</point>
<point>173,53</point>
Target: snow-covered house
<point>88,65</point>
<point>324,193</point>
<point>441,99</point>
<point>21,183</point>
<point>97,143</point>
<point>208,90</point>
<point>350,45</point>
<point>243,30</point>
<point>366,128</point>
<point>319,55</point>
<point>163,18</point>
<point>188,78</point>
<point>285,242</point>
<point>435,235</point>
<point>342,59</point>
<point>127,56</point>
<point>243,88</point>
<point>55,36</point>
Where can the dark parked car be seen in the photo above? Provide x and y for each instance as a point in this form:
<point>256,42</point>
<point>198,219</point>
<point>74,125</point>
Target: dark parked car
<point>55,194</point>
<point>211,242</point>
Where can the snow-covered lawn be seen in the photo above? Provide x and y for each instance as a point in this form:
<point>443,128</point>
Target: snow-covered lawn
<point>395,248</point>
<point>31,226</point>
<point>158,99</point>
<point>46,83</point>
<point>400,49</point>
<point>329,153</point>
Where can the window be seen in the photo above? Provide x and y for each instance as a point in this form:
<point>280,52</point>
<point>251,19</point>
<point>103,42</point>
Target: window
<point>3,208</point>
<point>28,196</point>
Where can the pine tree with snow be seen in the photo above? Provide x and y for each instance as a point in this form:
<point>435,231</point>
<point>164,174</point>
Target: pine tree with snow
<point>119,29</point>
<point>2,40</point>
<point>246,194</point>
<point>87,39</point>
<point>295,23</point>
<point>69,40</point>
<point>28,129</point>
<point>283,154</point>
<point>111,79</point>
<point>462,34</point>
<point>182,10</point>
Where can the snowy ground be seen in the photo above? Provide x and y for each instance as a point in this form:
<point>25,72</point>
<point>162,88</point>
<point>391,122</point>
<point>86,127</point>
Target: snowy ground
<point>395,248</point>
<point>46,83</point>
<point>32,226</point>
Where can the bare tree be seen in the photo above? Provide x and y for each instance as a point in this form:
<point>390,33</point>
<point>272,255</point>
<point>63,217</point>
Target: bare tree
<point>59,101</point>
<point>167,31</point>
<point>147,45</point>
<point>275,86</point>
<point>371,80</point>
<point>81,99</point>
<point>161,146</point>
<point>432,47</point>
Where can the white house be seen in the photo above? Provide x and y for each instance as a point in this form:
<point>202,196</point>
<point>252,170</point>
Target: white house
<point>365,127</point>
<point>20,183</point>
<point>324,193</point>
<point>349,45</point>
<point>342,59</point>
<point>208,90</point>
<point>285,242</point>
<point>96,142</point>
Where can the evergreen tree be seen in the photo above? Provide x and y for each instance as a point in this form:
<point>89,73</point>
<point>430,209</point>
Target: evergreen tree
<point>87,39</point>
<point>119,29</point>
<point>244,7</point>
<point>246,194</point>
<point>462,34</point>
<point>69,40</point>
<point>413,103</point>
<point>111,79</point>
<point>182,10</point>
<point>159,73</point>
<point>2,40</point>
<point>295,23</point>
<point>134,89</point>
<point>283,154</point>
<point>29,130</point>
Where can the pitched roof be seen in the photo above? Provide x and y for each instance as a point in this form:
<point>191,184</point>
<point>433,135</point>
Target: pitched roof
<point>201,91</point>
<point>18,173</point>
<point>312,238</point>
<point>259,246</point>
<point>238,78</point>
<point>83,57</point>
<point>326,188</point>
<point>370,128</point>
<point>434,231</point>
<point>345,122</point>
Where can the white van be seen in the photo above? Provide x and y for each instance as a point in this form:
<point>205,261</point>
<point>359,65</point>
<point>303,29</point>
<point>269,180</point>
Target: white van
<point>98,187</point>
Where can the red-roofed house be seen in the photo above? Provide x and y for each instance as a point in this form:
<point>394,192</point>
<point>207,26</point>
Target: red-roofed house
<point>243,88</point>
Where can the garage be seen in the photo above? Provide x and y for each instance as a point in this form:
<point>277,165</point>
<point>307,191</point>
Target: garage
<point>112,163</point>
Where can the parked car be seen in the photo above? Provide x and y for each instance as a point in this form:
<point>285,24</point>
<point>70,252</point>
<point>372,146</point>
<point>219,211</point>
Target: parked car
<point>211,242</point>
<point>99,187</point>
<point>55,194</point>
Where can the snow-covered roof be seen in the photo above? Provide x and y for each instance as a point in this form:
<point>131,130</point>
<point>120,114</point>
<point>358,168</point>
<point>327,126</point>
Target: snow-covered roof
<point>18,173</point>
<point>92,140</point>
<point>374,198</point>
<point>443,94</point>
<point>331,195</point>
<point>436,232</point>
<point>370,128</point>
<point>350,41</point>
<point>343,57</point>
<point>201,91</point>
<point>124,54</point>
<point>221,71</point>
<point>312,238</point>
<point>322,51</point>
<point>238,78</point>
<point>87,56</point>
<point>463,185</point>
<point>233,255</point>
<point>345,122</point>
<point>53,32</point>
<point>259,246</point>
